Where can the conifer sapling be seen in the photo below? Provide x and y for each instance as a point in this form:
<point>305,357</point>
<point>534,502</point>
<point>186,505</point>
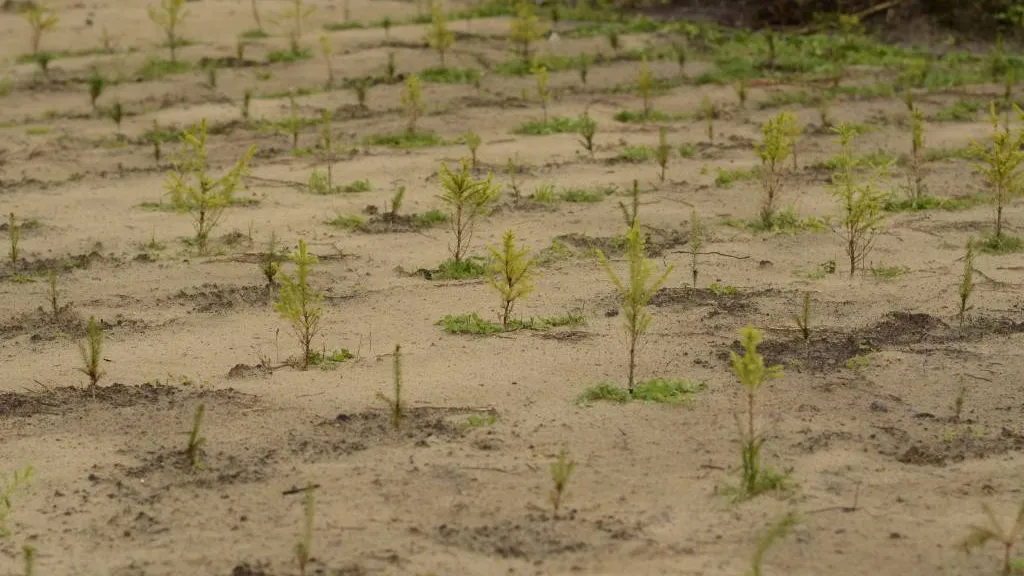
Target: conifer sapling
<point>468,199</point>
<point>561,471</point>
<point>412,101</point>
<point>540,75</point>
<point>861,205</point>
<point>396,405</point>
<point>709,117</point>
<point>662,152</point>
<point>439,36</point>
<point>1002,166</point>
<point>40,19</point>
<point>96,83</point>
<point>14,232</point>
<point>635,290</point>
<point>645,85</point>
<point>966,281</point>
<point>298,303</point>
<point>773,152</point>
<point>169,16</point>
<point>327,51</point>
<point>511,274</point>
<point>473,143</point>
<point>193,450</point>
<point>588,128</point>
<point>696,243</point>
<point>526,29</point>
<point>752,373</point>
<point>91,351</point>
<point>53,293</point>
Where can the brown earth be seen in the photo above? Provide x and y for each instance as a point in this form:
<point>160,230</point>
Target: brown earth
<point>885,480</point>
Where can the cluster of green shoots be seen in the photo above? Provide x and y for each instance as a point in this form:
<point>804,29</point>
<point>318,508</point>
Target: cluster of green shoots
<point>860,202</point>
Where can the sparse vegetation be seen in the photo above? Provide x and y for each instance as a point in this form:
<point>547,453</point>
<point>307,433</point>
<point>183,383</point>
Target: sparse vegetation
<point>1002,166</point>
<point>561,472</point>
<point>298,303</point>
<point>91,351</point>
<point>468,199</point>
<point>994,531</point>
<point>511,274</point>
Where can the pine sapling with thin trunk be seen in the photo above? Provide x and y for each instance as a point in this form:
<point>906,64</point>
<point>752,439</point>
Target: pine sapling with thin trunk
<point>966,282</point>
<point>386,25</point>
<point>327,51</point>
<point>513,182</point>
<point>540,76</point>
<point>299,304</point>
<point>194,448</point>
<point>117,114</point>
<point>583,67</point>
<point>752,373</point>
<point>155,140</point>
<point>861,205</point>
<point>169,16</point>
<point>412,101</point>
<point>741,93</point>
<point>327,143</point>
<point>645,86</point>
<point>294,122</point>
<point>40,19</point>
<point>304,547</point>
<point>511,274</point>
<point>662,152</point>
<point>468,199</point>
<point>1002,166</point>
<point>680,53</point>
<point>396,404</point>
<point>631,213</point>
<point>14,233</point>
<point>708,110</point>
<point>588,128</point>
<point>525,29</point>
<point>915,176</point>
<point>246,101</point>
<point>391,69</point>
<point>803,323</point>
<point>439,36</point>
<point>53,294</point>
<point>473,143</point>
<point>96,84</point>
<point>91,351</point>
<point>770,538</point>
<point>697,238</point>
<point>773,152</point>
<point>994,531</point>
<point>270,261</point>
<point>561,471</point>
<point>635,291</point>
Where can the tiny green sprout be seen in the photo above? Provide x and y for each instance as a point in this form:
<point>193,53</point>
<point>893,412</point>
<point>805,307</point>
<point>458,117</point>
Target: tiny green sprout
<point>193,451</point>
<point>96,84</point>
<point>679,49</point>
<point>525,29</point>
<point>708,110</point>
<point>169,16</point>
<point>8,489</point>
<point>53,294</point>
<point>770,538</point>
<point>298,303</point>
<point>966,281</point>
<point>561,471</point>
<point>246,101</point>
<point>396,404</point>
<point>511,274</point>
<point>327,145</point>
<point>473,143</point>
<point>583,67</point>
<point>751,371</point>
<point>540,75</point>
<point>326,50</point>
<point>294,121</point>
<point>91,351</point>
<point>588,128</point>
<point>14,232</point>
<point>662,152</point>
<point>117,114</point>
<point>645,85</point>
<point>270,261</point>
<point>304,547</point>
<point>439,36</point>
<point>40,19</point>
<point>635,290</point>
<point>155,139</point>
<point>412,101</point>
<point>697,238</point>
<point>994,531</point>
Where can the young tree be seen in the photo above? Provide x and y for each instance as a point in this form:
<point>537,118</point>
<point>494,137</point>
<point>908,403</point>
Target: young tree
<point>540,75</point>
<point>412,101</point>
<point>292,18</point>
<point>41,19</point>
<point>1002,165</point>
<point>861,204</point>
<point>468,199</point>
<point>773,153</point>
<point>439,36</point>
<point>645,85</point>
<point>169,16</point>
<point>298,303</point>
<point>92,351</point>
<point>635,290</point>
<point>526,29</point>
<point>752,373</point>
<point>511,274</point>
<point>192,189</point>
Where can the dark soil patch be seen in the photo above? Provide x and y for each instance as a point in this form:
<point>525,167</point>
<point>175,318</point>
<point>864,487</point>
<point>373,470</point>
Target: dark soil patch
<point>68,398</point>
<point>227,62</point>
<point>658,242</point>
<point>43,325</point>
<point>171,466</point>
<point>350,433</point>
<point>960,445</point>
<point>214,297</point>
<point>388,223</point>
<point>732,303</point>
<point>539,536</point>
<point>44,265</point>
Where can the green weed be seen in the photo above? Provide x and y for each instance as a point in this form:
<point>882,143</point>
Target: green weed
<point>888,272</point>
<point>465,269</point>
<point>726,178</point>
<point>553,125</point>
<point>469,324</point>
<point>637,154</point>
<point>480,421</point>
<point>156,68</point>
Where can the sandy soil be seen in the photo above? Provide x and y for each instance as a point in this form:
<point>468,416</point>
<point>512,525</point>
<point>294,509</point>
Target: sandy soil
<point>885,481</point>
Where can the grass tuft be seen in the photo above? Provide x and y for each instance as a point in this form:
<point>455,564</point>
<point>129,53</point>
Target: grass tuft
<point>155,68</point>
<point>405,140</point>
<point>464,270</point>
<point>553,125</point>
<point>287,56</point>
<point>1002,244</point>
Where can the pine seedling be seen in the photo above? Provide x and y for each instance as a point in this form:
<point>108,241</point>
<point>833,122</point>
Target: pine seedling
<point>397,200</point>
<point>583,67</point>
<point>511,274</point>
<point>752,373</point>
<point>697,238</point>
<point>270,261</point>
<point>469,199</point>
<point>169,16</point>
<point>771,39</point>
<point>29,556</point>
<point>561,471</point>
<point>645,85</point>
<point>662,152</point>
<point>96,84</point>
<point>293,123</point>
<point>773,151</point>
<point>775,533</point>
<point>588,128</point>
<point>540,76</point>
<point>106,41</point>
<point>679,49</point>
<point>741,93</point>
<point>246,101</point>
<point>966,281</point>
<point>708,110</point>
<point>211,76</point>
<point>293,17</point>
<point>824,113</point>
<point>635,290</point>
<point>526,29</point>
<point>994,531</point>
<point>53,293</point>
<point>298,303</point>
<point>304,547</point>
<point>41,19</point>
<point>440,37</point>
<point>155,140</point>
<point>240,45</point>
<point>473,143</point>
<point>8,488</point>
<point>861,205</point>
<point>803,321</point>
<point>117,114</point>
<point>361,86</point>
<point>1008,83</point>
<point>327,143</point>
<point>916,172</point>
<point>793,131</point>
<point>412,101</point>
<point>391,68</point>
<point>327,51</point>
<point>513,182</point>
<point>194,448</point>
<point>386,25</point>
<point>254,5</point>
<point>14,233</point>
<point>91,351</point>
<point>631,213</point>
<point>193,189</point>
<point>396,405</point>
<point>1002,166</point>
<point>614,40</point>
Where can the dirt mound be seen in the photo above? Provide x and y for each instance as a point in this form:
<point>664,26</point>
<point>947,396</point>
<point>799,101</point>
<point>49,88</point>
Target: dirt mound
<point>68,398</point>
